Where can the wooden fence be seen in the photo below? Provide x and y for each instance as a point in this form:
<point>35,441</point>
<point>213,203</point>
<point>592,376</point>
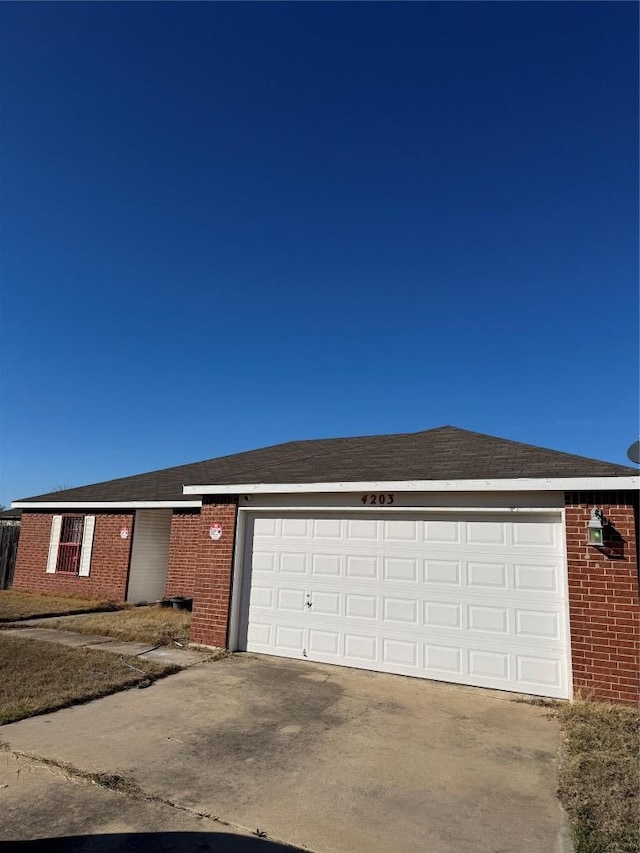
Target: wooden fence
<point>9,535</point>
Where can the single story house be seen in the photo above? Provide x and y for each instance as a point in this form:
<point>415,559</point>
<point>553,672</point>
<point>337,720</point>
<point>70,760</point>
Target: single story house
<point>444,554</point>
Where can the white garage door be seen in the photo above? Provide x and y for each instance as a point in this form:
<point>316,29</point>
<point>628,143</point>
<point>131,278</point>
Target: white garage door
<point>476,599</point>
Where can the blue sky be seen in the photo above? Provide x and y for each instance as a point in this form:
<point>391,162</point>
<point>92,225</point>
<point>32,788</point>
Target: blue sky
<point>231,225</point>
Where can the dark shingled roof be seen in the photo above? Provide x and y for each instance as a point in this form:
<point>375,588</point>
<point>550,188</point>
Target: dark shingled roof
<point>11,515</point>
<point>445,453</point>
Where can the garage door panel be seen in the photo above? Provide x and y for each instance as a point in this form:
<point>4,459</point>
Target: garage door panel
<point>326,604</point>
<point>265,526</point>
<point>295,528</point>
<point>260,634</point>
<point>486,575</point>
<point>486,533</point>
<point>538,620</point>
<point>360,648</point>
<point>292,564</point>
<point>403,653</point>
<point>328,528</point>
<point>485,664</point>
<point>398,530</point>
<point>539,672</point>
<point>291,600</point>
<point>539,625</point>
<point>485,619</point>
<point>418,592</point>
<point>327,565</point>
<point>361,606</point>
<point>469,600</point>
<point>401,611</point>
<point>359,530</point>
<point>540,578</point>
<point>400,569</point>
<point>443,660</point>
<point>325,643</point>
<point>536,535</point>
<point>443,532</point>
<point>290,638</point>
<point>403,547</point>
<point>263,561</point>
<point>442,614</point>
<point>442,572</point>
<point>262,596</point>
<point>362,567</point>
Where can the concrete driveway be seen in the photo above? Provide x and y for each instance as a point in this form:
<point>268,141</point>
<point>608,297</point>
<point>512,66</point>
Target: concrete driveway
<point>325,758</point>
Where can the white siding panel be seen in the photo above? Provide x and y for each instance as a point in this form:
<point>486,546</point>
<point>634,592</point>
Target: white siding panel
<point>149,555</point>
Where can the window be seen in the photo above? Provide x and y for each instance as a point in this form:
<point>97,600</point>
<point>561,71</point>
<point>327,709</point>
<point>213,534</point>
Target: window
<point>70,543</point>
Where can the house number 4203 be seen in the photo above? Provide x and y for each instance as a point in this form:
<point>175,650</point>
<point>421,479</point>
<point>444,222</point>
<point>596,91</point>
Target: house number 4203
<point>376,500</point>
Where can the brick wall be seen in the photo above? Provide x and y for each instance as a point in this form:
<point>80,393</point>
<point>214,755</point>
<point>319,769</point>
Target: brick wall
<point>184,550</point>
<point>604,605</point>
<point>109,558</point>
<point>212,587</point>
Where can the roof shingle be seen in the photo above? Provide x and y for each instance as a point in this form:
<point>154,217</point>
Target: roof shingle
<point>444,453</point>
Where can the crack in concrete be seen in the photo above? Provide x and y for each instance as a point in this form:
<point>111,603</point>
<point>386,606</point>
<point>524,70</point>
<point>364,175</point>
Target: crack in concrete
<point>127,786</point>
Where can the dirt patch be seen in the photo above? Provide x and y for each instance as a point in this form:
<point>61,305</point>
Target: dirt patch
<point>599,777</point>
<point>150,624</point>
<point>37,677</point>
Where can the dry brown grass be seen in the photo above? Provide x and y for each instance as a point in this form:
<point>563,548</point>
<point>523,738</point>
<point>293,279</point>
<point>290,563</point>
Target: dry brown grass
<point>600,776</point>
<point>15,605</point>
<point>37,677</point>
<point>150,624</point>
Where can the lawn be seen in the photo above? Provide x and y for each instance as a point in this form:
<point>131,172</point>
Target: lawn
<point>149,624</point>
<point>15,605</point>
<point>37,677</point>
<point>600,776</point>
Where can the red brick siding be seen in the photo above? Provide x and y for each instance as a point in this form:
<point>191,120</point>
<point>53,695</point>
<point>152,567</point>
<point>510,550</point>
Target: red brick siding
<point>212,588</point>
<point>184,549</point>
<point>109,558</point>
<point>604,603</point>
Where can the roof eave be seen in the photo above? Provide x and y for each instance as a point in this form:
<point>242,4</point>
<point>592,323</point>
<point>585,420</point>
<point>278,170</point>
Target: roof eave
<point>521,484</point>
<point>107,505</point>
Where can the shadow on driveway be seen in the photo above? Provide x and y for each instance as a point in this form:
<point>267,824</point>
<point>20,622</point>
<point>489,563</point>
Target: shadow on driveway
<point>143,842</point>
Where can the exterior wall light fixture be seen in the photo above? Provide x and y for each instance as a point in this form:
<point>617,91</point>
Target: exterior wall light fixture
<point>595,528</point>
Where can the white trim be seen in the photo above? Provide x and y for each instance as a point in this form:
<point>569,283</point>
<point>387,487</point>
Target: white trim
<point>567,621</point>
<point>544,510</point>
<point>561,484</point>
<point>237,583</point>
<point>104,504</point>
<point>54,541</point>
<point>84,568</point>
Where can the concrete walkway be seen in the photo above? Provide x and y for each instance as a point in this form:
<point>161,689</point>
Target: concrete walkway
<point>162,654</point>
